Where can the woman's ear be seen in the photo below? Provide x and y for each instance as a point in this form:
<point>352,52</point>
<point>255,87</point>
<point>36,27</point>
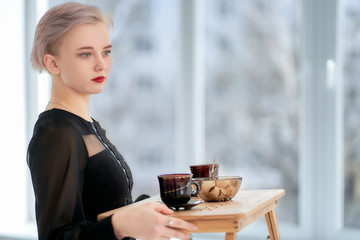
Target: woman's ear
<point>51,64</point>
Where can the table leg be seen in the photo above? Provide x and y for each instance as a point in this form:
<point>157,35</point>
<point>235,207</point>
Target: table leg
<point>230,236</point>
<point>272,225</point>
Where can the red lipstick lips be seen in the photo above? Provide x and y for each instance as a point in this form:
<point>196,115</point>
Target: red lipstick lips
<point>99,79</point>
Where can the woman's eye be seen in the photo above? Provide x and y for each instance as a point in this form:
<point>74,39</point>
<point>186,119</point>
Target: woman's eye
<point>84,55</point>
<point>107,52</point>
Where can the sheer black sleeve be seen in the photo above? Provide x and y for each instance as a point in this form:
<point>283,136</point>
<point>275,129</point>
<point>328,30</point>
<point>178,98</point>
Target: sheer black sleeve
<point>57,157</point>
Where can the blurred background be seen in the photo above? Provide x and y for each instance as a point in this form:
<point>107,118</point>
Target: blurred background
<point>268,87</point>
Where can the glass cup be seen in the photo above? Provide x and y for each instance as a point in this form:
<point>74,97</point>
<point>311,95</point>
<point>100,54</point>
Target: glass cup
<point>176,189</point>
<point>204,170</point>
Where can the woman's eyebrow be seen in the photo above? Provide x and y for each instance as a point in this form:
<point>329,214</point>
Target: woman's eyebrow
<point>84,48</point>
<point>91,48</point>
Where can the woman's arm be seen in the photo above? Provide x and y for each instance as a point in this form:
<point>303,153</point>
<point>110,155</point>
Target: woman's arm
<point>57,158</point>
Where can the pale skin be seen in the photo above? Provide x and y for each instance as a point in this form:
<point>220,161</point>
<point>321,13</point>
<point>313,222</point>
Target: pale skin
<point>82,56</point>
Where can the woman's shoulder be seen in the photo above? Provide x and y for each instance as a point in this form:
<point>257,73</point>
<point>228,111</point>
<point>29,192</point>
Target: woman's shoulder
<point>56,142</point>
<point>55,132</point>
<point>59,121</point>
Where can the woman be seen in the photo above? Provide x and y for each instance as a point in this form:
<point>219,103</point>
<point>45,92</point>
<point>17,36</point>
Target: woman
<point>76,172</point>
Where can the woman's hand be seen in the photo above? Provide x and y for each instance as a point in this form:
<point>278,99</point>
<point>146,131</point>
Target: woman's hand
<point>149,221</point>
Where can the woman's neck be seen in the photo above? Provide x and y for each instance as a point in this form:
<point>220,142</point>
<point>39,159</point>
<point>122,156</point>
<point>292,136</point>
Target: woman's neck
<point>78,105</point>
<point>66,98</point>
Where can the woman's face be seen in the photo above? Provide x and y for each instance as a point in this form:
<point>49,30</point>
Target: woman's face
<point>84,58</point>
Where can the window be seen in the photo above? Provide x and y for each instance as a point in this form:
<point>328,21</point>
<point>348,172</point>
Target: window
<point>269,88</point>
<point>252,94</point>
<point>13,169</point>
<point>350,37</point>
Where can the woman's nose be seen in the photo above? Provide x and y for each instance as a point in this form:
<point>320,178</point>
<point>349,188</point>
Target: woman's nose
<point>99,63</point>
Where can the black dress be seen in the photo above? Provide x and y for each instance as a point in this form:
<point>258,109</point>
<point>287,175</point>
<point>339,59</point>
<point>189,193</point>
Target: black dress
<point>76,174</point>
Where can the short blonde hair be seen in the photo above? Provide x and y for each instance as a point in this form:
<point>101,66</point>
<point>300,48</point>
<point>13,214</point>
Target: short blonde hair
<point>56,22</point>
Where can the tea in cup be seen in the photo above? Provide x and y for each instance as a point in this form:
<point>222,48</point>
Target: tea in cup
<point>176,189</point>
<point>204,170</point>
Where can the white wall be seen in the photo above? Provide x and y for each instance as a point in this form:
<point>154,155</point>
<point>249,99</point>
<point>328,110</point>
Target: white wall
<point>13,169</point>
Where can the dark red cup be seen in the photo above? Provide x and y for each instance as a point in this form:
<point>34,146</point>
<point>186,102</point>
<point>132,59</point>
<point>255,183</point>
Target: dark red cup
<point>176,189</point>
<point>204,170</point>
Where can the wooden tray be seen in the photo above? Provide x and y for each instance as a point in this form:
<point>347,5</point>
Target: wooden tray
<point>229,216</point>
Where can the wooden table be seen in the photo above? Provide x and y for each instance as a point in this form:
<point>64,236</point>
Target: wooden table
<point>231,216</point>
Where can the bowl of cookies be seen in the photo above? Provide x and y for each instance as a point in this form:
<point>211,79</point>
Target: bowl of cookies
<point>218,189</point>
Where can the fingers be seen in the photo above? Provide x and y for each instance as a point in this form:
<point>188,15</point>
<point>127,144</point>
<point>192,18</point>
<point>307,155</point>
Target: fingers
<point>174,228</point>
<point>173,225</point>
<point>176,223</point>
<point>181,224</point>
<point>162,208</point>
<point>173,233</point>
